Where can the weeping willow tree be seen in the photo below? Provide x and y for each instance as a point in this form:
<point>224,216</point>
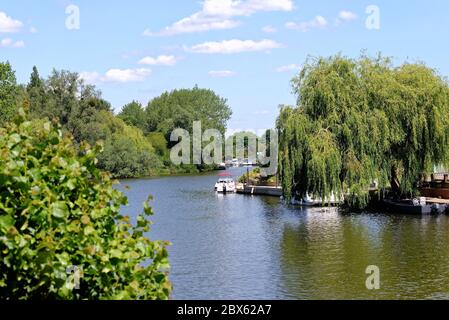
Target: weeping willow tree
<point>359,121</point>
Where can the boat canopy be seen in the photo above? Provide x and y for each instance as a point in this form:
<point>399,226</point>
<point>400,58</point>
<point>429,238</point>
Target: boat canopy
<point>225,174</point>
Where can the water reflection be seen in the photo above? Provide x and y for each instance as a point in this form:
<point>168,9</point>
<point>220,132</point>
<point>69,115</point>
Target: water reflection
<point>412,254</point>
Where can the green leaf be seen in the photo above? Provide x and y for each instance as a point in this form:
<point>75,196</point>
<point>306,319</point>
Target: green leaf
<point>52,197</point>
<point>115,253</point>
<point>6,222</point>
<point>59,210</point>
<point>89,230</point>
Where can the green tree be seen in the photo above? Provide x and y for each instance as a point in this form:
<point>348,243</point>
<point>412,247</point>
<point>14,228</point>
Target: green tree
<point>8,93</point>
<point>127,152</point>
<point>359,121</point>
<point>180,108</point>
<point>63,88</point>
<point>85,116</point>
<point>35,79</point>
<point>159,144</point>
<point>71,101</point>
<point>36,94</point>
<point>58,210</point>
<point>134,115</point>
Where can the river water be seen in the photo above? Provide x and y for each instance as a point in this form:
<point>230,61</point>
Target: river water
<point>245,247</point>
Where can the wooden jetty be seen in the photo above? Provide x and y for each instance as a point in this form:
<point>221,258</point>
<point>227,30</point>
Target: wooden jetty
<point>259,190</point>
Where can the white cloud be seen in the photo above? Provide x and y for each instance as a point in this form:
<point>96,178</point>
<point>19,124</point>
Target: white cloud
<point>217,15</point>
<point>162,60</point>
<point>8,24</point>
<point>319,22</point>
<point>222,74</point>
<point>10,43</point>
<point>19,44</point>
<point>347,16</point>
<point>234,46</point>
<point>287,68</point>
<point>244,8</point>
<point>269,29</point>
<point>261,112</point>
<point>194,23</point>
<point>90,77</point>
<point>33,30</point>
<point>127,75</point>
<point>117,75</point>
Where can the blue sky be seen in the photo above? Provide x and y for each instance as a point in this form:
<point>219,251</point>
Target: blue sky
<point>247,51</point>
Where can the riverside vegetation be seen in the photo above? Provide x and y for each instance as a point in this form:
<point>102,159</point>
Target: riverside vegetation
<point>359,121</point>
<point>356,121</point>
<point>58,210</point>
<point>136,141</point>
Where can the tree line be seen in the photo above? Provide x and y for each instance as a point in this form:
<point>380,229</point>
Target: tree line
<point>136,141</point>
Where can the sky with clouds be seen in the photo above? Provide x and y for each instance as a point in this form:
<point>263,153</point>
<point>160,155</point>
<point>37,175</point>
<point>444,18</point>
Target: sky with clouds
<point>245,50</point>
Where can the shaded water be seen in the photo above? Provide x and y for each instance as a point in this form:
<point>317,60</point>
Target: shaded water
<point>243,247</point>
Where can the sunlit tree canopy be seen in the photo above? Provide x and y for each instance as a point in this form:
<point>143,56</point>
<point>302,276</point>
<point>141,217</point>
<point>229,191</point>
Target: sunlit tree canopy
<point>359,121</point>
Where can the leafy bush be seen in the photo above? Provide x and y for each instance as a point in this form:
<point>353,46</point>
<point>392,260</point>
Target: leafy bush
<point>159,144</point>
<point>58,210</point>
<point>127,152</point>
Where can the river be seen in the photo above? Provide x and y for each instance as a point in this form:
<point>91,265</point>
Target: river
<point>244,247</point>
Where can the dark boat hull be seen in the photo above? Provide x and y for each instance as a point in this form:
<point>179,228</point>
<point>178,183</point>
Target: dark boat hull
<point>408,208</point>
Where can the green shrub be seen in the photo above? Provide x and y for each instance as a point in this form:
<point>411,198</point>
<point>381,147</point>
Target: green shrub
<point>159,143</point>
<point>58,210</point>
<point>127,152</point>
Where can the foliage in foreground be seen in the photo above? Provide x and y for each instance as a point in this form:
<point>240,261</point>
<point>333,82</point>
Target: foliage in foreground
<point>57,210</point>
<point>359,121</point>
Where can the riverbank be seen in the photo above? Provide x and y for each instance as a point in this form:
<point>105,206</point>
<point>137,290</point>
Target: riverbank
<point>171,172</point>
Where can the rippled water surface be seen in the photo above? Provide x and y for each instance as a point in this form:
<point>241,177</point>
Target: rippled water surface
<point>243,247</point>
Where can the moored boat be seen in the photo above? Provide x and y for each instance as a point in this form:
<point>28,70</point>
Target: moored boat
<point>225,184</point>
<point>235,162</point>
<point>222,166</point>
<point>414,207</point>
<point>309,201</point>
<point>435,186</point>
<point>247,163</point>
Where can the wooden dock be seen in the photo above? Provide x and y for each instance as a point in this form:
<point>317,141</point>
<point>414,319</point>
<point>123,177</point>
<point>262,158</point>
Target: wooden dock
<point>437,201</point>
<point>260,190</point>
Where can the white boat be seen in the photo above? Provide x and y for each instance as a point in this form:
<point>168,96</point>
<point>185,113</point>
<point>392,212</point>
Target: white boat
<point>247,163</point>
<point>222,166</point>
<point>309,201</point>
<point>225,185</point>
